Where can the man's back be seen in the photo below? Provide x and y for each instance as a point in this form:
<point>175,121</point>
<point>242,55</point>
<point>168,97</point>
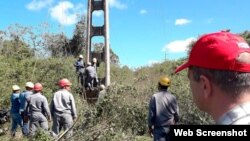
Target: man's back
<point>63,102</point>
<point>37,103</point>
<point>15,103</point>
<point>90,71</point>
<point>165,107</point>
<point>23,97</point>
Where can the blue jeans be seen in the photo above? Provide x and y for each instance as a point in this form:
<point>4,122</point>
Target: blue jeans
<point>25,128</point>
<point>16,120</point>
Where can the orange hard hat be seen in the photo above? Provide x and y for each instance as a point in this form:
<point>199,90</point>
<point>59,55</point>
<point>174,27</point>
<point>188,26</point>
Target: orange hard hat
<point>64,82</point>
<point>38,87</point>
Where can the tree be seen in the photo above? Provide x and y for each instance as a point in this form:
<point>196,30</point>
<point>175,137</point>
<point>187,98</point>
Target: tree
<point>99,48</point>
<point>77,44</point>
<point>16,49</point>
<point>13,42</point>
<point>190,47</point>
<point>246,36</point>
<point>57,44</point>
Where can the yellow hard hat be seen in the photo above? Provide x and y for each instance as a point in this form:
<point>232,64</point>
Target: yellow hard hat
<point>15,87</point>
<point>164,81</point>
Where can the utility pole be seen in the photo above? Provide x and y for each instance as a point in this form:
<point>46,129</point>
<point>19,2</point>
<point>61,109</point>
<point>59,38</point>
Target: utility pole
<point>166,53</point>
<point>99,31</point>
<point>107,53</point>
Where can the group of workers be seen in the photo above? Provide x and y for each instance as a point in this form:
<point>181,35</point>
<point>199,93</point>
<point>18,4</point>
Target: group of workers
<point>219,75</point>
<point>30,109</point>
<point>87,75</point>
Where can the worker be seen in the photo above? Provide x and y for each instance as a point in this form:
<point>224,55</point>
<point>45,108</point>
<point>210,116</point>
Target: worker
<point>101,93</point>
<point>63,108</point>
<point>94,63</point>
<point>14,110</point>
<point>219,75</point>
<point>95,66</point>
<point>38,110</point>
<point>100,101</point>
<point>163,111</point>
<point>80,69</point>
<point>91,77</point>
<point>23,96</point>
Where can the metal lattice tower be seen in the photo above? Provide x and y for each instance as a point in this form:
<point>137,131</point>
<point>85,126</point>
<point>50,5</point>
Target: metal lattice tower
<point>99,31</point>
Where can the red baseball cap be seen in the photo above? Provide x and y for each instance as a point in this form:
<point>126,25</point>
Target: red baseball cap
<point>218,51</point>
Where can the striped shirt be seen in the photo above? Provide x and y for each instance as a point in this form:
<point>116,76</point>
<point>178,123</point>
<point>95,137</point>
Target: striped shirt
<point>239,115</point>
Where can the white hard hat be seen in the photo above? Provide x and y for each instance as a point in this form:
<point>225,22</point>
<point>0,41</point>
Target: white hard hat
<point>15,87</point>
<point>29,84</point>
<point>94,60</point>
<point>89,63</point>
<point>80,56</point>
<point>102,87</point>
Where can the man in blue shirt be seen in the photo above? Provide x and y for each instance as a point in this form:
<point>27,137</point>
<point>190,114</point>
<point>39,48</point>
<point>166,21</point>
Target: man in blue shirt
<point>163,111</point>
<point>79,65</point>
<point>14,111</point>
<point>29,90</point>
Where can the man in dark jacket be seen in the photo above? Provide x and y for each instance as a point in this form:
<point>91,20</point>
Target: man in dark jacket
<point>80,69</point>
<point>163,111</point>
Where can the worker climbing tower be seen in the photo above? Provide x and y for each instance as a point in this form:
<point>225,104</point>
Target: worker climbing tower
<point>103,30</point>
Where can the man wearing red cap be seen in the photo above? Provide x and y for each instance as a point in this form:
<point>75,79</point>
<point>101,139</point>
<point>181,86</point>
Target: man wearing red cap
<point>219,75</point>
<point>37,107</point>
<point>63,108</point>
